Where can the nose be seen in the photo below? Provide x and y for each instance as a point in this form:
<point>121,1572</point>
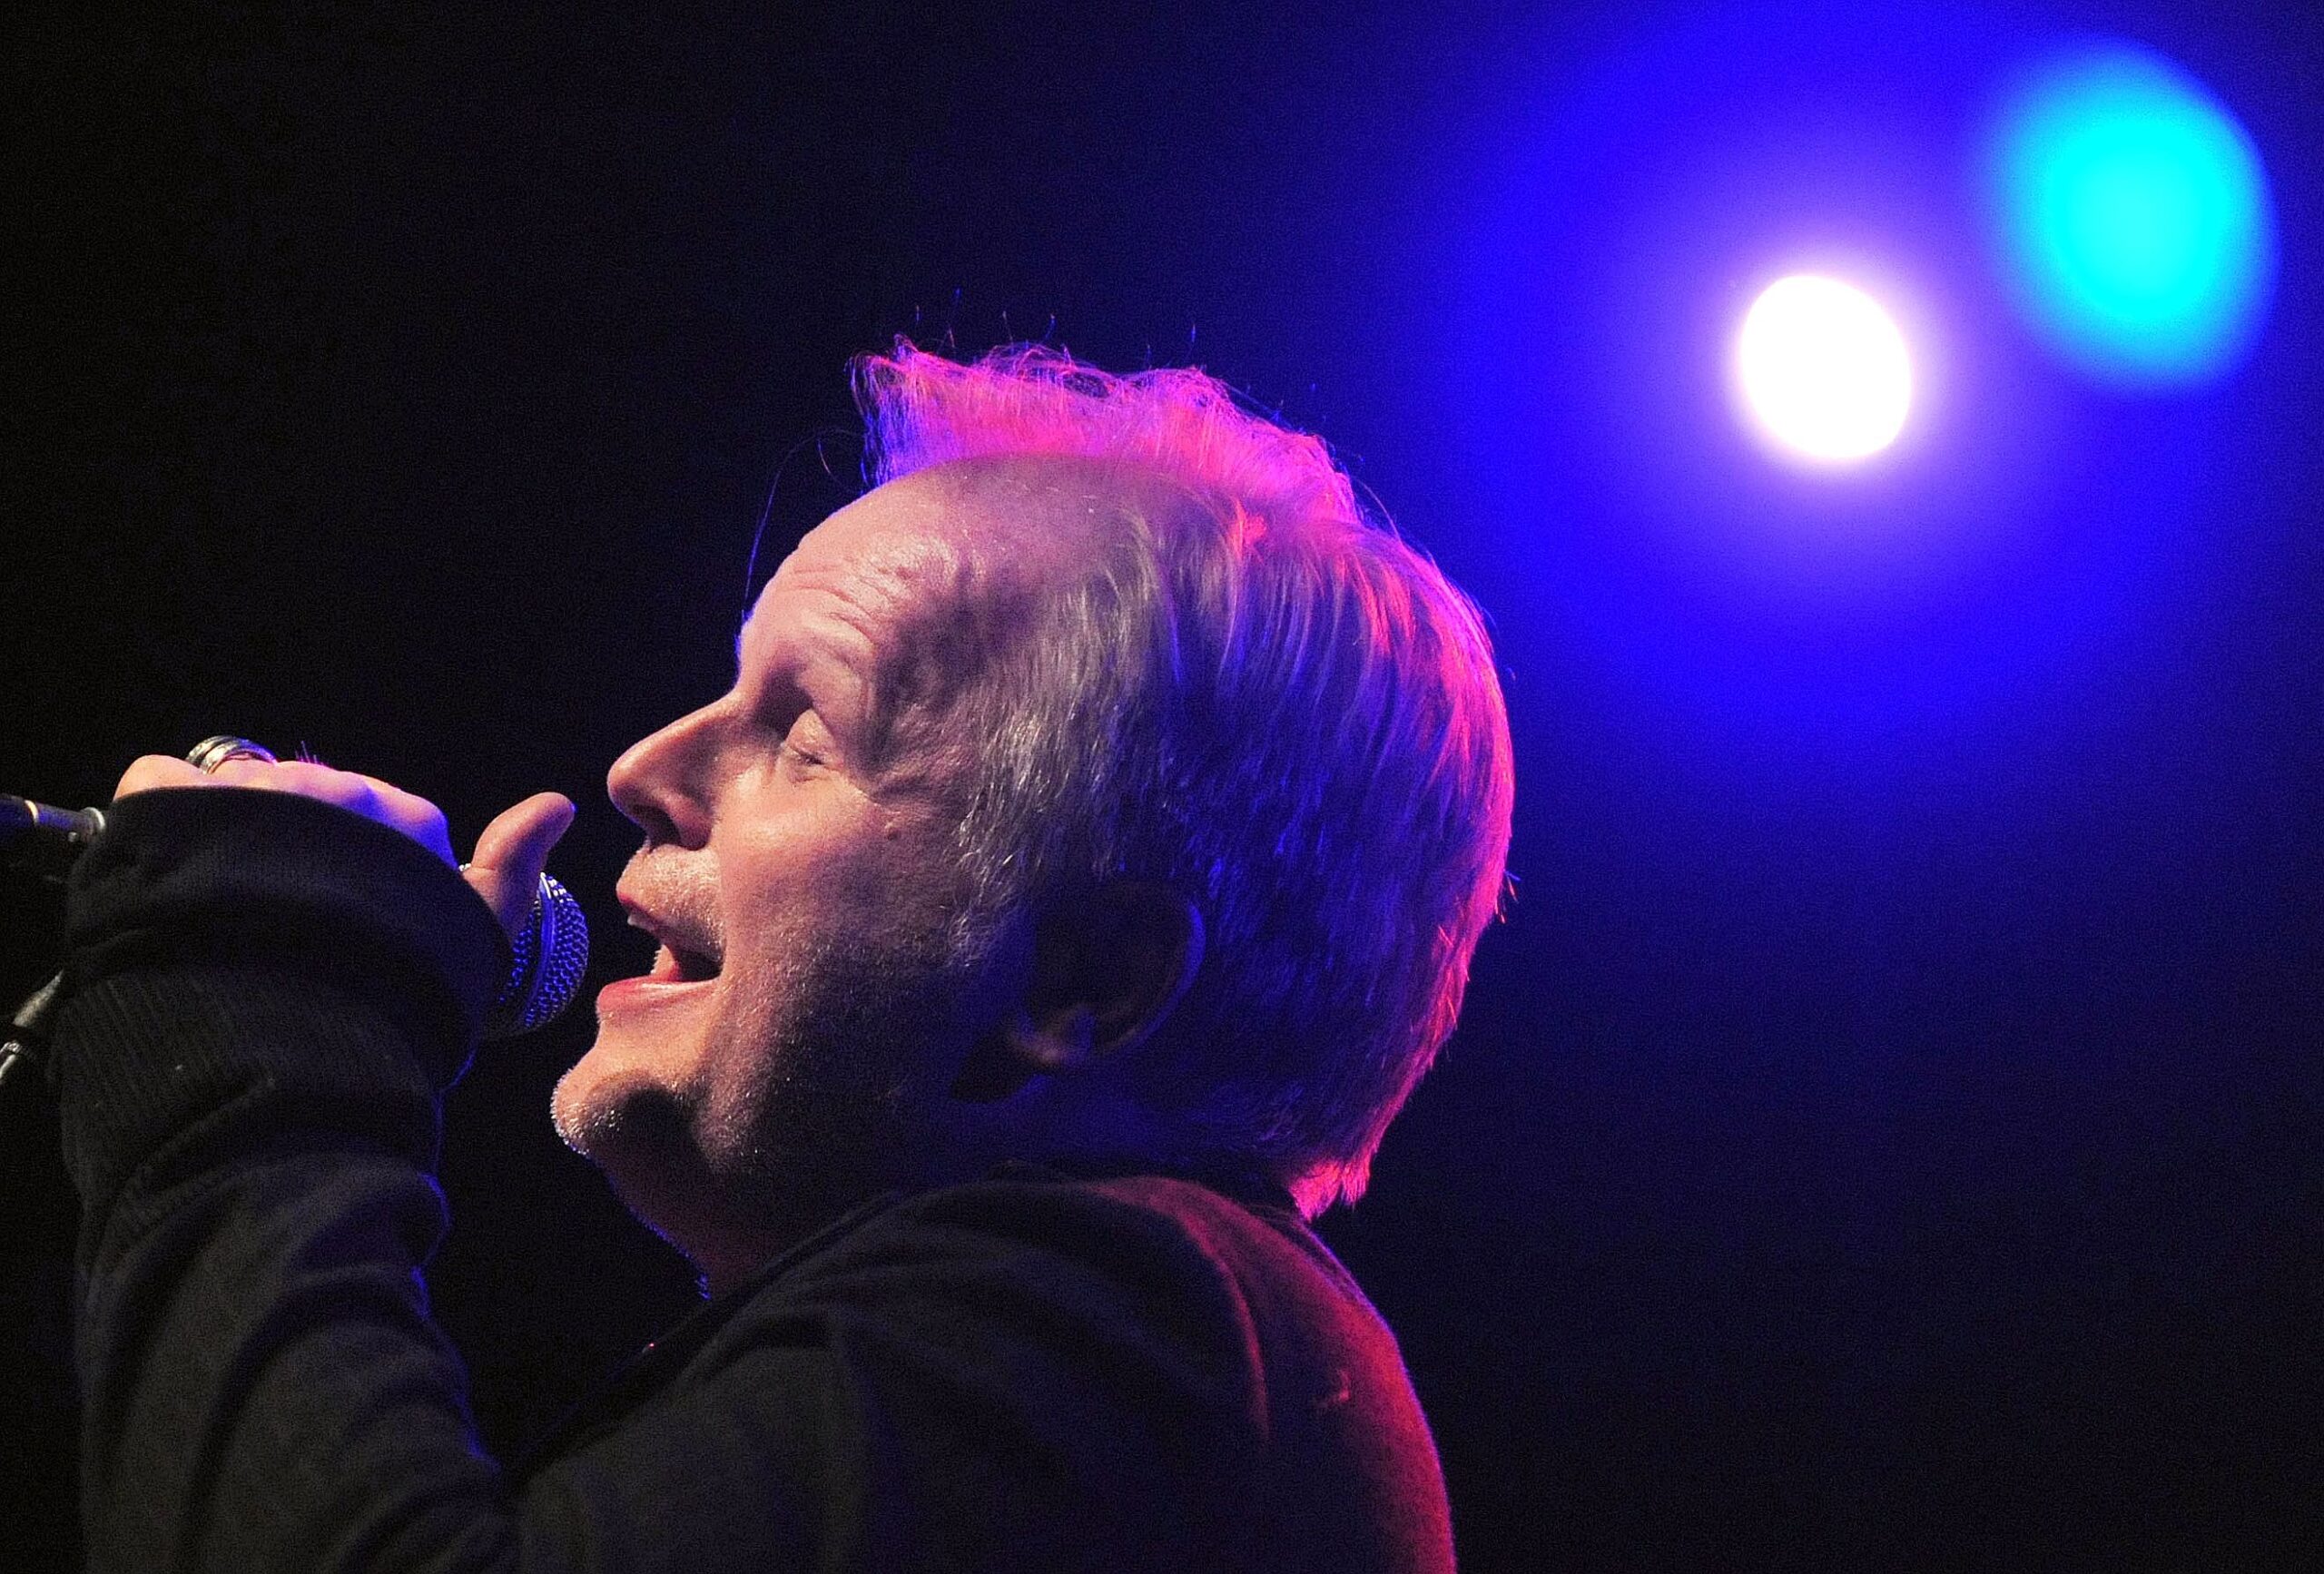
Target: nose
<point>663,782</point>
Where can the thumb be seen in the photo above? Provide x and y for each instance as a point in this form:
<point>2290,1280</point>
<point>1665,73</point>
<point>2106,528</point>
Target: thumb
<point>511,854</point>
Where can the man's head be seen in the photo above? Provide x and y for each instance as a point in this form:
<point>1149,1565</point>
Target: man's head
<point>1103,780</point>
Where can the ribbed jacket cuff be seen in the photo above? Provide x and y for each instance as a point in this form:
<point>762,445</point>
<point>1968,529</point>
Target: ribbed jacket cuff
<point>235,949</point>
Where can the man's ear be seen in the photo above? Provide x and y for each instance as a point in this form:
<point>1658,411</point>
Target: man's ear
<point>1106,968</point>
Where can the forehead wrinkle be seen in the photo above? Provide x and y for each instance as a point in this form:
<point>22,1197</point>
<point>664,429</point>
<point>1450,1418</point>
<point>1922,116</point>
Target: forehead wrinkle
<point>831,627</point>
<point>804,569</point>
<point>887,610</point>
<point>933,576</point>
<point>936,641</point>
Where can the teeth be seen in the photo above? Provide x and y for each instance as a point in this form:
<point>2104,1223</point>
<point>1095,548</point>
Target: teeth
<point>675,964</point>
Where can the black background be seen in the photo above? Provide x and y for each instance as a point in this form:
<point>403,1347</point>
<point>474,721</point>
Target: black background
<point>1885,1167</point>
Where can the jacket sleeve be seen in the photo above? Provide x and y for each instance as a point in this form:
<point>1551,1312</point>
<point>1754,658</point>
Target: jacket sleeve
<point>267,994</point>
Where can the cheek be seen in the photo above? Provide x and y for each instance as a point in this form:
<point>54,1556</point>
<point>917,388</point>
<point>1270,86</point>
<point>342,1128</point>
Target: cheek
<point>858,871</point>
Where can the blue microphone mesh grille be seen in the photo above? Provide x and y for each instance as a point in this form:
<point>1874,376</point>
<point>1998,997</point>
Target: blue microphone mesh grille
<point>552,952</point>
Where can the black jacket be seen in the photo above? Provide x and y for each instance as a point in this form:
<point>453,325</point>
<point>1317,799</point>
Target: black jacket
<point>1037,1370</point>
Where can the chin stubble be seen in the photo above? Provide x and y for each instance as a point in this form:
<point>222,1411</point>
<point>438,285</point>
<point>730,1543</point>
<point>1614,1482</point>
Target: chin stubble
<point>852,1045</point>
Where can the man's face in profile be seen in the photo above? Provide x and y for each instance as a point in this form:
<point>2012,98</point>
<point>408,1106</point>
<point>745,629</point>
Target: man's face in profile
<point>816,983</point>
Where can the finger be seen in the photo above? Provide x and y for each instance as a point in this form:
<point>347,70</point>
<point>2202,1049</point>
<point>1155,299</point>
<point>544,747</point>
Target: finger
<point>152,771</point>
<point>513,850</point>
<point>522,836</point>
<point>308,779</point>
<point>244,771</point>
<point>369,796</point>
<point>411,814</point>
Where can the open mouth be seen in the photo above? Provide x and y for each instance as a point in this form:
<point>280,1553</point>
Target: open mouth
<point>684,951</point>
<point>674,961</point>
<point>685,966</point>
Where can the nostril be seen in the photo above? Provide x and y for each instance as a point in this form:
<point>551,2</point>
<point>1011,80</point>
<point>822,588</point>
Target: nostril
<point>658,783</point>
<point>660,829</point>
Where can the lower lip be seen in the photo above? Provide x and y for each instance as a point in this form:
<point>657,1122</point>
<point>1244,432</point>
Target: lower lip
<point>642,992</point>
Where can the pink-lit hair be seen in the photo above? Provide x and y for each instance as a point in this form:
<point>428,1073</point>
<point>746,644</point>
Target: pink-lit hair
<point>1260,696</point>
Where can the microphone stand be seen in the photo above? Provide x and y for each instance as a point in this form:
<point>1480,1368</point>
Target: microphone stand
<point>47,840</point>
<point>28,1029</point>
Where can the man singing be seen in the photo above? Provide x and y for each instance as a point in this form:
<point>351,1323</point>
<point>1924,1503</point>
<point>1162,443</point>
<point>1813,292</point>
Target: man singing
<point>1080,872</point>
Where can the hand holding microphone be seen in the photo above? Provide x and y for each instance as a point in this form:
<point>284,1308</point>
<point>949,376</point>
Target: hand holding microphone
<point>510,855</point>
<point>544,924</point>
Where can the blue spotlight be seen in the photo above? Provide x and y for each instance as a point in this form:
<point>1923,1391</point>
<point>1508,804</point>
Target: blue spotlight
<point>2133,216</point>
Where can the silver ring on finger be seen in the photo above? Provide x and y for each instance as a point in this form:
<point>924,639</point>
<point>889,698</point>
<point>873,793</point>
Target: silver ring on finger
<point>212,753</point>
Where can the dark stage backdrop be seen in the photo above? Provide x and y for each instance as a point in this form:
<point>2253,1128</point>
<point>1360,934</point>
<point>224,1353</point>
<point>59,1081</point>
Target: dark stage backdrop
<point>1888,1151</point>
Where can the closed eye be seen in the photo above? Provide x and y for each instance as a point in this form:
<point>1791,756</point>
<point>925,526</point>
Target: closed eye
<point>805,740</point>
<point>778,716</point>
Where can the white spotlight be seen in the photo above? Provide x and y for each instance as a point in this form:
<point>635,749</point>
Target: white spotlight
<point>1823,369</point>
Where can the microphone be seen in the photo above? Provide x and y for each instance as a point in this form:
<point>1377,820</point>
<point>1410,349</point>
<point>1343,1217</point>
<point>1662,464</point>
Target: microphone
<point>552,949</point>
<point>47,840</point>
<point>552,953</point>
